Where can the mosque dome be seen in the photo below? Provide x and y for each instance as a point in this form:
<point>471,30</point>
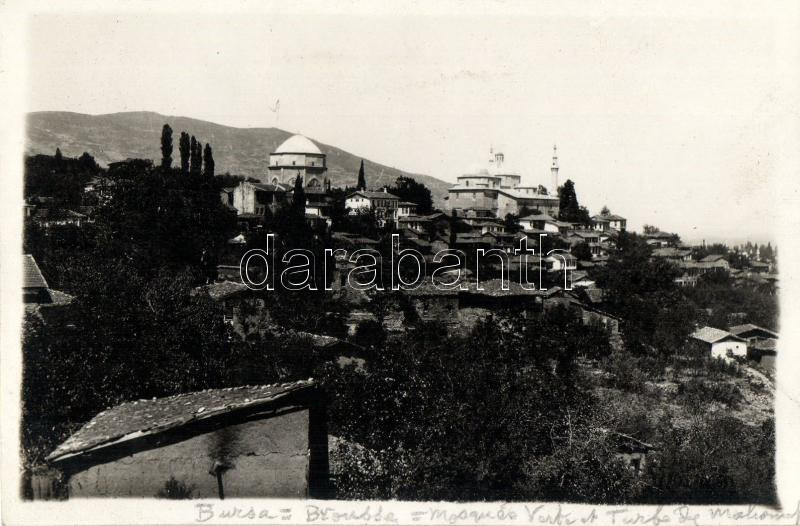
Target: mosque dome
<point>298,144</point>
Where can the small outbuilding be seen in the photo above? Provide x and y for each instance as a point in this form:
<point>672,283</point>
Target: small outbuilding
<point>719,343</point>
<point>252,441</point>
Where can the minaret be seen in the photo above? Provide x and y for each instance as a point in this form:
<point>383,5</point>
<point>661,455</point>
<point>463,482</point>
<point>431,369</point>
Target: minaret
<point>554,170</point>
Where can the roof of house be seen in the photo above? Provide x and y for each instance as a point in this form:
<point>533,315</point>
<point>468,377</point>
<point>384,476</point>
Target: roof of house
<point>494,287</point>
<point>712,258</point>
<point>223,289</point>
<point>593,294</point>
<point>32,277</point>
<point>371,194</point>
<point>567,257</point>
<point>147,417</point>
<point>609,217</point>
<point>579,275</point>
<point>537,217</point>
<point>741,329</point>
<point>266,187</point>
<point>712,335</point>
<point>414,219</point>
<point>671,252</point>
<point>660,235</point>
<point>406,203</point>
<point>770,344</point>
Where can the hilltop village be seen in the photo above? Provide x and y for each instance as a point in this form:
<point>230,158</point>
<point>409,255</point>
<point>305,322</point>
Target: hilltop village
<point>597,375</point>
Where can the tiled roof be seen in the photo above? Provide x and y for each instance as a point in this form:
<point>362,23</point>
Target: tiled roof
<point>593,294</point>
<point>537,217</point>
<point>770,344</point>
<point>370,194</point>
<point>147,417</point>
<point>671,252</point>
<point>410,219</point>
<point>58,298</point>
<point>223,289</point>
<point>712,335</point>
<point>267,187</point>
<point>712,258</point>
<point>493,287</point>
<point>739,329</point>
<point>660,235</point>
<point>31,275</point>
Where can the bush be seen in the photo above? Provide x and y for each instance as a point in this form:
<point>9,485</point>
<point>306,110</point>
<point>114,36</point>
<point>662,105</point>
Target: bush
<point>626,373</point>
<point>720,368</point>
<point>696,394</point>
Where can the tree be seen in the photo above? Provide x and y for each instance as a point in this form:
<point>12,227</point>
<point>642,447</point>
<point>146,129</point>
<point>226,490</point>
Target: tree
<point>453,230</point>
<point>166,146</point>
<point>605,211</point>
<point>195,156</point>
<point>362,180</point>
<point>582,251</point>
<point>642,291</point>
<point>184,147</point>
<point>569,209</point>
<point>208,159</point>
<point>511,223</point>
<point>650,229</point>
<point>408,189</point>
<point>299,198</point>
<point>58,155</point>
<point>426,427</point>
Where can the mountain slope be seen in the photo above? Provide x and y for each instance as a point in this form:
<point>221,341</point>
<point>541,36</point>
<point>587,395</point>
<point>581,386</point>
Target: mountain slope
<point>240,151</point>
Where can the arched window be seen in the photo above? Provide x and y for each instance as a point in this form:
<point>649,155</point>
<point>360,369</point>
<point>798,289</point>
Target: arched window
<point>275,180</point>
<point>313,183</point>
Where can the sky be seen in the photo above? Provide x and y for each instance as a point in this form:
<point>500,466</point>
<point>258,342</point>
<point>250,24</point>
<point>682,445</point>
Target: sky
<point>670,119</point>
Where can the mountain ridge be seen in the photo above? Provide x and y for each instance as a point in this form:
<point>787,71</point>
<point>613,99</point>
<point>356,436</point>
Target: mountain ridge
<point>111,137</point>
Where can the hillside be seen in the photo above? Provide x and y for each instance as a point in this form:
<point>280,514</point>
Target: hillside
<point>240,151</point>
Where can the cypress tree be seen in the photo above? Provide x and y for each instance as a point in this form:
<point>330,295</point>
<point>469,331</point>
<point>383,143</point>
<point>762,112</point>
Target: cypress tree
<point>299,197</point>
<point>185,151</point>
<point>208,160</point>
<point>568,202</point>
<point>194,162</point>
<point>58,155</point>
<point>166,146</point>
<point>362,180</point>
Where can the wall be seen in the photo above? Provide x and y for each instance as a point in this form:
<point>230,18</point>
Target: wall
<point>477,198</point>
<point>244,198</point>
<point>269,458</point>
<point>720,349</point>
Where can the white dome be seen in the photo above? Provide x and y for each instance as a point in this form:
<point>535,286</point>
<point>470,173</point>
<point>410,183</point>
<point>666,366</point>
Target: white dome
<point>298,144</point>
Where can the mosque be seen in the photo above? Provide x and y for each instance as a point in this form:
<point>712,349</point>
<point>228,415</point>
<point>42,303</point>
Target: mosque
<point>495,190</point>
<point>297,156</point>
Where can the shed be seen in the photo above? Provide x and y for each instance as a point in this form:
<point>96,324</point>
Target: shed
<point>721,344</point>
<point>251,441</point>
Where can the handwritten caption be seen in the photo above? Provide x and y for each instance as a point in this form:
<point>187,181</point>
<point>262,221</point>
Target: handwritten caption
<point>490,514</point>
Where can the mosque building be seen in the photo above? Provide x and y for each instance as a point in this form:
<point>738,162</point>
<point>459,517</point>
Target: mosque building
<point>297,156</point>
<point>495,190</point>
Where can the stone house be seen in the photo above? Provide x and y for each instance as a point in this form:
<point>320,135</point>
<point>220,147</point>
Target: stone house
<point>252,441</point>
